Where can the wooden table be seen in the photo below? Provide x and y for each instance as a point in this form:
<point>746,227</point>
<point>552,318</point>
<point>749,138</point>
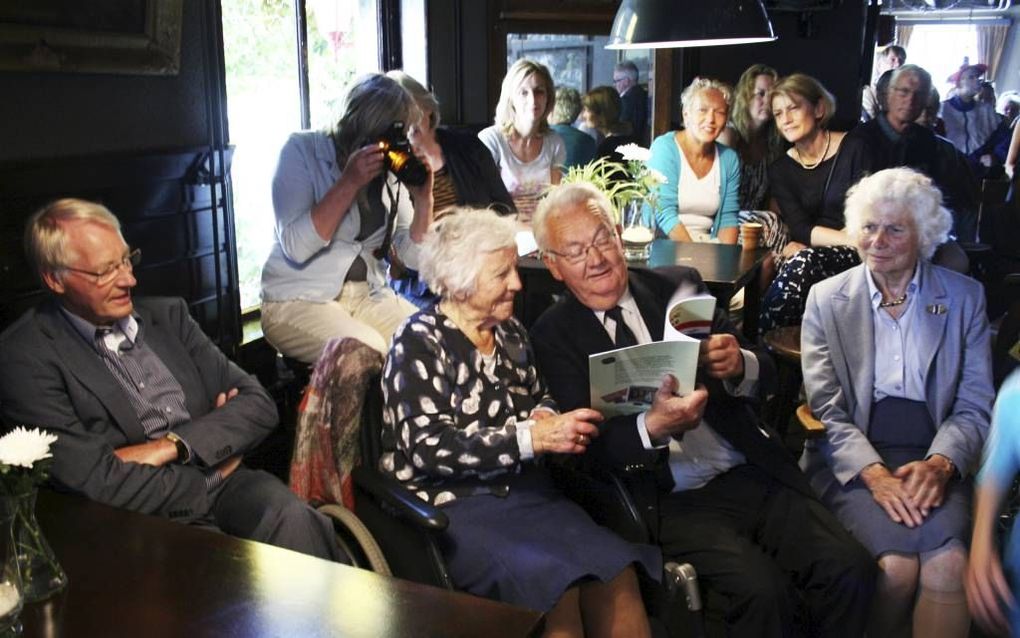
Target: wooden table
<point>724,268</point>
<point>137,575</point>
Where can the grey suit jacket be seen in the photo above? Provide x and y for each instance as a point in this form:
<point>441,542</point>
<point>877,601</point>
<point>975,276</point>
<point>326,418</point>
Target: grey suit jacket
<point>52,378</point>
<point>838,359</point>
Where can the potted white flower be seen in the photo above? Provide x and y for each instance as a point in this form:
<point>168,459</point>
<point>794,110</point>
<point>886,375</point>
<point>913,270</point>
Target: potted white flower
<point>25,461</point>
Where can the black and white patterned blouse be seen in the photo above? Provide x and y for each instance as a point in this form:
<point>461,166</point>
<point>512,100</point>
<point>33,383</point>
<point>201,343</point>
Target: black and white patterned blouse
<point>451,415</point>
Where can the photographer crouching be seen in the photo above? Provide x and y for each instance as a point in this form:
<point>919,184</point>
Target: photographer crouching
<point>343,199</point>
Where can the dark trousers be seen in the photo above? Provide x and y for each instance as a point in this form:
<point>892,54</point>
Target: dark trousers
<point>780,560</point>
<point>256,505</point>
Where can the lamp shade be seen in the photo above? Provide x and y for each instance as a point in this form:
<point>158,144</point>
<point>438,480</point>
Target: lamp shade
<point>658,24</point>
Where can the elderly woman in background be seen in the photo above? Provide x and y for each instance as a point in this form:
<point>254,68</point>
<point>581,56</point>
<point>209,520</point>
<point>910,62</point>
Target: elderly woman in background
<point>528,154</point>
<point>580,146</point>
<point>699,201</point>
<point>338,213</point>
<point>466,417</point>
<point>896,361</point>
<point>602,107</point>
<point>752,135</point>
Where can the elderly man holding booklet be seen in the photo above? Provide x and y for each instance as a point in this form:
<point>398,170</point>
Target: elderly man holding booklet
<point>731,500</point>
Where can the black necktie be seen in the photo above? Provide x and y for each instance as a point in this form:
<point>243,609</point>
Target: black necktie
<point>624,337</point>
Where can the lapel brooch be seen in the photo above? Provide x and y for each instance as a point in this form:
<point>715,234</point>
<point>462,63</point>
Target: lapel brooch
<point>936,309</point>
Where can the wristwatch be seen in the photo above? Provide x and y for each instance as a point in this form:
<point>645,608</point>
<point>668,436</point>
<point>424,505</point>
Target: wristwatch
<point>183,453</point>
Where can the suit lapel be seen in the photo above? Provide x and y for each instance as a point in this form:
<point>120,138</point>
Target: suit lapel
<point>856,338</point>
<point>930,317</point>
<point>87,367</point>
<point>930,323</point>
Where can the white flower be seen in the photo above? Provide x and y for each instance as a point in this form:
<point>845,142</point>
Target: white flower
<point>23,447</point>
<point>634,153</point>
<point>657,177</point>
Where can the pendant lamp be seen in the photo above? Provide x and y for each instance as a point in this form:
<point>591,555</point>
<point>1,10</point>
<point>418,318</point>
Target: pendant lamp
<point>659,24</point>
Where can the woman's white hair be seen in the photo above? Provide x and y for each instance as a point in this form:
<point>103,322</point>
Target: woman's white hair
<point>909,191</point>
<point>455,247</point>
<point>700,85</point>
<point>563,197</point>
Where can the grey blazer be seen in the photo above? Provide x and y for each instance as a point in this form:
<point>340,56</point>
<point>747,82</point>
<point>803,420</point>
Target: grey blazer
<point>52,378</point>
<point>838,359</point>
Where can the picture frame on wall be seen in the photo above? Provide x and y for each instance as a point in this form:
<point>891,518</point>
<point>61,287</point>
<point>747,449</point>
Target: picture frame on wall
<point>134,37</point>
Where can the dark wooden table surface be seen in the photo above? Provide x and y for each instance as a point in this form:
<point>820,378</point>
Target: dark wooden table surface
<point>724,268</point>
<point>136,575</point>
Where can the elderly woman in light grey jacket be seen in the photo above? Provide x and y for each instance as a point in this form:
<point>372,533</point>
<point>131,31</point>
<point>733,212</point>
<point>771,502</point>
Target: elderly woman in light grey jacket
<point>337,213</point>
<point>896,365</point>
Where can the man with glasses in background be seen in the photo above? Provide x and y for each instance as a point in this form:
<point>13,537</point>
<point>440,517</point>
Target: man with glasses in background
<point>149,415</point>
<point>633,99</point>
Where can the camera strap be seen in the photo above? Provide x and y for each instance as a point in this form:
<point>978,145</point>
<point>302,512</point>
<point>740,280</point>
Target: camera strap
<point>384,250</point>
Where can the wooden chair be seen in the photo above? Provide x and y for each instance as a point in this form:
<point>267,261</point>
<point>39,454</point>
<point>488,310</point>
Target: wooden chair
<point>812,427</point>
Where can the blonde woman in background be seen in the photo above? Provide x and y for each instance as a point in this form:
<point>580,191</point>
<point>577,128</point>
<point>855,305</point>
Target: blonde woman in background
<point>529,155</point>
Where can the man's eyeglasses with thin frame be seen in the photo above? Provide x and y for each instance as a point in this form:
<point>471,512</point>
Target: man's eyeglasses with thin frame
<point>108,274</point>
<point>603,240</point>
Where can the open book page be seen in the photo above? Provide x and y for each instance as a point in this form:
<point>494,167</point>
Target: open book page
<point>689,314</point>
<point>624,381</point>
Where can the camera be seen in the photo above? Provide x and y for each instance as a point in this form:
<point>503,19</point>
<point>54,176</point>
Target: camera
<point>400,159</point>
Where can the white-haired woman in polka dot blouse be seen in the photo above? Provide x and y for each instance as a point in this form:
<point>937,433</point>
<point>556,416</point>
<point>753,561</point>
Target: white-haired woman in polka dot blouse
<point>467,415</point>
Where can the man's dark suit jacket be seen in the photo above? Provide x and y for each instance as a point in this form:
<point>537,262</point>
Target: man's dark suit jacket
<point>568,332</point>
<point>52,378</point>
<point>921,149</point>
<point>634,109</point>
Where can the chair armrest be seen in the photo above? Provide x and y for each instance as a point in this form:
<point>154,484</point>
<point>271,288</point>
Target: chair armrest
<point>390,492</point>
<point>813,428</point>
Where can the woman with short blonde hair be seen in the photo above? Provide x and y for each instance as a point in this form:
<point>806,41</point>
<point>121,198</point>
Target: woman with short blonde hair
<point>699,201</point>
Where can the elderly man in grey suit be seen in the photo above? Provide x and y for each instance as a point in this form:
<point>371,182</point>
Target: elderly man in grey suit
<point>896,362</point>
<point>150,416</point>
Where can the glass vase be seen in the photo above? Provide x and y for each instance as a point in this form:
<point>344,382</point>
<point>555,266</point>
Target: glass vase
<point>637,232</point>
<point>11,592</point>
<point>41,573</point>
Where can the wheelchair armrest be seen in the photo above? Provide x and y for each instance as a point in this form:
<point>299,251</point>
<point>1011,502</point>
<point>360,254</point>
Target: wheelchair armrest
<point>390,492</point>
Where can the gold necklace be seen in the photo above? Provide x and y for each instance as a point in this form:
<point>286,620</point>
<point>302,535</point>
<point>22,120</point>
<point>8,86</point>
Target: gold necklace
<point>898,301</point>
<point>821,158</point>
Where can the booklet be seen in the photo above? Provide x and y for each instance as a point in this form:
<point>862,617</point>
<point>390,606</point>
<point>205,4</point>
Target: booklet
<point>625,380</point>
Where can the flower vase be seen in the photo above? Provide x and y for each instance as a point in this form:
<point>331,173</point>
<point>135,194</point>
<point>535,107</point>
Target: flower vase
<point>637,232</point>
<point>41,573</point>
<point>11,592</point>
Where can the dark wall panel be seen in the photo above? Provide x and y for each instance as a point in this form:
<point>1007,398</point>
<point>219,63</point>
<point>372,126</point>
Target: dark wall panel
<point>61,114</point>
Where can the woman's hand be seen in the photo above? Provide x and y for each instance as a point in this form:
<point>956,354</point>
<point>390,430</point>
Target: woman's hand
<point>926,481</point>
<point>568,433</point>
<point>891,494</point>
<point>364,165</point>
<point>793,248</point>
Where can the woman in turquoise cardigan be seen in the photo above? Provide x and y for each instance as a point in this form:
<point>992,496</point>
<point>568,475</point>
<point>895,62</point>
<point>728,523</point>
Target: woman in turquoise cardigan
<point>708,173</point>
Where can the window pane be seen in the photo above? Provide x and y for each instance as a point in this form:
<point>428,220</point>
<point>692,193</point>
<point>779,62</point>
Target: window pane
<point>263,107</point>
<point>940,49</point>
<point>343,43</point>
<point>264,102</point>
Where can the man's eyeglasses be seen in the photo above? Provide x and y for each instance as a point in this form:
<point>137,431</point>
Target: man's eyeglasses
<point>604,240</point>
<point>110,272</point>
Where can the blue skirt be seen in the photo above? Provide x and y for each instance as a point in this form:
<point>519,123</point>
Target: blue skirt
<point>529,547</point>
<point>901,431</point>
